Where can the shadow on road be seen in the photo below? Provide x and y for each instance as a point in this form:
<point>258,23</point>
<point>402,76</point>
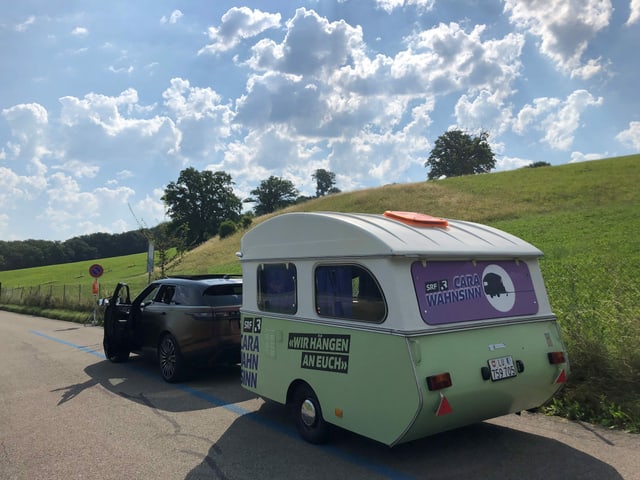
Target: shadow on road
<point>265,445</point>
<point>138,380</point>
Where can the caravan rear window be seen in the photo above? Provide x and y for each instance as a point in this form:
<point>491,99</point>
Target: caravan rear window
<point>277,288</point>
<point>350,292</point>
<point>450,292</point>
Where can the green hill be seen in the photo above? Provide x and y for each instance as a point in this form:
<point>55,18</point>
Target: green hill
<point>585,217</point>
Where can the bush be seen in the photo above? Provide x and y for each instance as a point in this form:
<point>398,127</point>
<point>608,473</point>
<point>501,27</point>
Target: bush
<point>599,315</point>
<point>538,164</point>
<point>246,221</point>
<point>227,228</point>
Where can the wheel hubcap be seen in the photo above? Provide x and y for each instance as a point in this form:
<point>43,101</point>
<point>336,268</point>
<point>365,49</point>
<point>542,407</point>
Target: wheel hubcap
<point>308,413</point>
<point>167,358</point>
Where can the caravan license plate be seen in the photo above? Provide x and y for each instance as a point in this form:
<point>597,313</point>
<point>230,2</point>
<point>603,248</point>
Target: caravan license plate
<point>502,368</point>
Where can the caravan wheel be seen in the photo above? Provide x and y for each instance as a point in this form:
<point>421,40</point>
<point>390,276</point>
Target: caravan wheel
<point>308,416</point>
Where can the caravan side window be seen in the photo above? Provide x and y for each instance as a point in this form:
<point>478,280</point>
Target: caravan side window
<point>349,292</point>
<point>277,291</point>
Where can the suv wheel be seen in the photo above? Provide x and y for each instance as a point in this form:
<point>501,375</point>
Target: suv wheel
<point>170,359</point>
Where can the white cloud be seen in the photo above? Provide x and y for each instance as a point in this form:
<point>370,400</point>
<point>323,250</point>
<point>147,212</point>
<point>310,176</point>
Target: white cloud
<point>511,163</point>
<point>631,136</point>
<point>485,111</point>
<point>390,5</point>
<point>332,44</point>
<point>203,121</point>
<point>23,27</point>
<point>100,127</point>
<point>239,23</point>
<point>78,169</point>
<point>80,32</point>
<point>557,119</point>
<point>70,208</point>
<point>341,93</point>
<point>26,120</point>
<point>15,188</point>
<point>583,157</point>
<point>123,174</point>
<point>150,210</point>
<point>634,14</point>
<point>175,16</point>
<point>447,58</point>
<point>29,127</point>
<point>565,28</point>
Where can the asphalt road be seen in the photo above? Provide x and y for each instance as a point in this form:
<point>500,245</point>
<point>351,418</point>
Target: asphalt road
<point>66,413</point>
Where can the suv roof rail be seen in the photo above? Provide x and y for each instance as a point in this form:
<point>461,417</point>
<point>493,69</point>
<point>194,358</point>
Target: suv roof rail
<point>206,276</point>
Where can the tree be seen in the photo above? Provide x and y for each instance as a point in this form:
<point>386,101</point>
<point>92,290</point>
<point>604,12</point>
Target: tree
<point>273,194</point>
<point>199,202</point>
<point>457,153</point>
<point>325,182</point>
<point>538,164</point>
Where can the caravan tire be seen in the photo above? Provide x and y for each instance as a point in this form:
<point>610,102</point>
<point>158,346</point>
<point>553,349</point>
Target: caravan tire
<point>308,416</point>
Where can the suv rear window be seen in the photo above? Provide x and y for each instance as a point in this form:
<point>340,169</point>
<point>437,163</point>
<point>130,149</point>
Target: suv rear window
<point>223,295</point>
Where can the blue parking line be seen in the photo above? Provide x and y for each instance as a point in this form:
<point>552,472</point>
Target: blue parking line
<point>255,417</point>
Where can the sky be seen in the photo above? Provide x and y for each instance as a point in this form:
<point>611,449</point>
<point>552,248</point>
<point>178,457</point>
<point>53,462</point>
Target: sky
<point>103,103</point>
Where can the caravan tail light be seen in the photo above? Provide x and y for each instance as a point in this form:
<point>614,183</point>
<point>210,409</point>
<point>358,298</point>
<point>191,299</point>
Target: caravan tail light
<point>556,357</point>
<point>439,381</point>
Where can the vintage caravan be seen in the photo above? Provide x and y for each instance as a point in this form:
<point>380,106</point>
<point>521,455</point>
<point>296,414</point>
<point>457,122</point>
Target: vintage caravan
<point>395,326</point>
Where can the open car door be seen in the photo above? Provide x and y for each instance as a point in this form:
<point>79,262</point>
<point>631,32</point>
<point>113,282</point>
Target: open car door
<point>117,325</point>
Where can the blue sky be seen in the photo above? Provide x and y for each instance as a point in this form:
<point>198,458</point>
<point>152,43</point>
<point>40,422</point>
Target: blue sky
<point>102,104</point>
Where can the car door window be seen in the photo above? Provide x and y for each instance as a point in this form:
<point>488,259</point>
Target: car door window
<point>148,295</point>
<point>166,294</point>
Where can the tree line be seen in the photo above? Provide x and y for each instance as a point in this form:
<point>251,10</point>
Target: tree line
<point>36,253</point>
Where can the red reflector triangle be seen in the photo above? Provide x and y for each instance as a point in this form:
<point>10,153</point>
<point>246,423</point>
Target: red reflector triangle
<point>562,377</point>
<point>444,408</point>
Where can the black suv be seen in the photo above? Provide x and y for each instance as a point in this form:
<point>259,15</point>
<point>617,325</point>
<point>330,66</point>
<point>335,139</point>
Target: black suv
<point>182,321</point>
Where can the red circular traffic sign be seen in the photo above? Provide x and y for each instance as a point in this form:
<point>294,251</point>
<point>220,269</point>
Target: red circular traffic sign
<point>96,270</point>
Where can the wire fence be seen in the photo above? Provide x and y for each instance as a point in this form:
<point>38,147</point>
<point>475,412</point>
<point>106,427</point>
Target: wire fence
<point>72,297</point>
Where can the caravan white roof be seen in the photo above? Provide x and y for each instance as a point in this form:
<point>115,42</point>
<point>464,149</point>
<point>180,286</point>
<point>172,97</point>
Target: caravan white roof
<point>330,234</point>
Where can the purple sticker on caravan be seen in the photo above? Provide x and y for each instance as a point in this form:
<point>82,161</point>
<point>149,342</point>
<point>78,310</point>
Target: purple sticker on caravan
<point>451,292</point>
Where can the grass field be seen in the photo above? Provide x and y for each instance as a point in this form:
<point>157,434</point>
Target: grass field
<point>585,217</point>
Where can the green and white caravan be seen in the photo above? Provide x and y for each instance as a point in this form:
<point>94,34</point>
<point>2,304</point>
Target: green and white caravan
<point>395,326</point>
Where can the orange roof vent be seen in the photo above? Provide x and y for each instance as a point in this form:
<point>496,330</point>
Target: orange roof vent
<point>417,219</point>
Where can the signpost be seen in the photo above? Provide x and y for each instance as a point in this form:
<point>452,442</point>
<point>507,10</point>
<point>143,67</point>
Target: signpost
<point>150,258</point>
<point>96,272</point>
